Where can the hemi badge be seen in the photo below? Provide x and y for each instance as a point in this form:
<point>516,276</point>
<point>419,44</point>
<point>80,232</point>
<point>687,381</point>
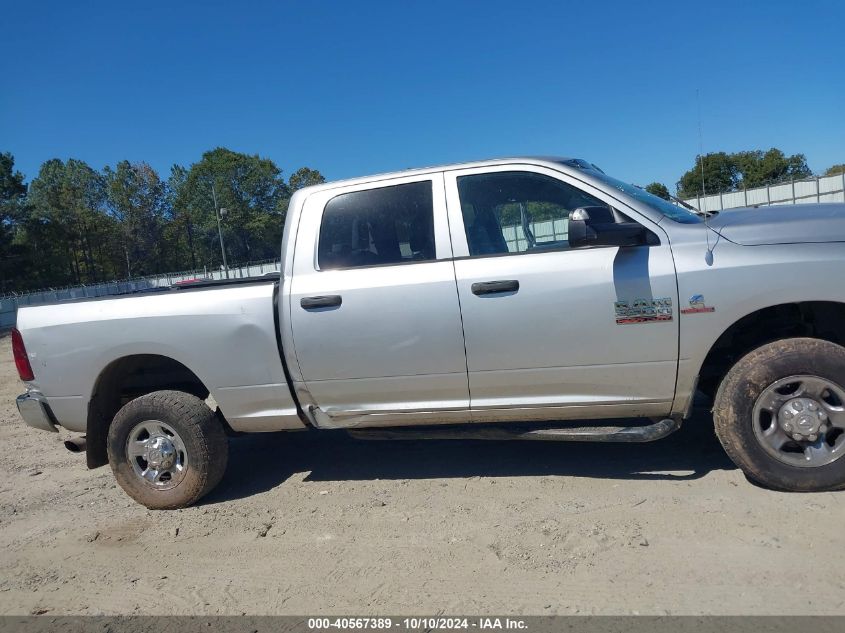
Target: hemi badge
<point>697,306</point>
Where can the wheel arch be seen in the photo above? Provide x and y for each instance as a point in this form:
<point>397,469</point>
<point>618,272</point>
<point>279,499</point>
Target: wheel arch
<point>125,379</point>
<point>816,319</point>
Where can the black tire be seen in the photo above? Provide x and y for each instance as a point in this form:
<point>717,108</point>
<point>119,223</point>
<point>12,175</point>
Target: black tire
<point>200,431</point>
<point>738,393</point>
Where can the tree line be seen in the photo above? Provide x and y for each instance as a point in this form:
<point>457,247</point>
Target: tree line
<point>722,172</point>
<point>73,224</point>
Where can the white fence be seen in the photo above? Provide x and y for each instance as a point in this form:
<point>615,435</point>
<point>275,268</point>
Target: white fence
<point>546,231</point>
<point>9,304</point>
<point>822,189</point>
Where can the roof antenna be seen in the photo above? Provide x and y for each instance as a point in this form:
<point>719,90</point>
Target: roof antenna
<point>708,257</point>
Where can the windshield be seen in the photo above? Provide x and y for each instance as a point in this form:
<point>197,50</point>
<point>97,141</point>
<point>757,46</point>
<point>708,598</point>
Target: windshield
<point>664,207</point>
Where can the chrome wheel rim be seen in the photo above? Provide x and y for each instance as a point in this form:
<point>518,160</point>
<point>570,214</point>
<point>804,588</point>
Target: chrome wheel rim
<point>157,454</point>
<point>800,420</point>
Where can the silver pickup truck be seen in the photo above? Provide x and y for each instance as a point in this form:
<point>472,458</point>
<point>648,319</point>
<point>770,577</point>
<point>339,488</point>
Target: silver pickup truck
<point>522,298</point>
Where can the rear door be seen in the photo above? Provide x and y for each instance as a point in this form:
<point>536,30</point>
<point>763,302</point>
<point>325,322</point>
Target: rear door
<point>374,307</point>
<point>554,332</point>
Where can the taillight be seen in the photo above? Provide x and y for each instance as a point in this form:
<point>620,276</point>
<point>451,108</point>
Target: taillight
<point>21,358</point>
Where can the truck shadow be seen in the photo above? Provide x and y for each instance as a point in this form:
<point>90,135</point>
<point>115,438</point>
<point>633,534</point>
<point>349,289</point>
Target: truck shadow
<point>260,462</point>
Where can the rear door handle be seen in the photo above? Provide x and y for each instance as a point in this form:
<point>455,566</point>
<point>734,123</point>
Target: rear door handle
<point>493,287</point>
<point>326,301</point>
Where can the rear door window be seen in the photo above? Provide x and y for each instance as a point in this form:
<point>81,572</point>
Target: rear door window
<point>375,227</point>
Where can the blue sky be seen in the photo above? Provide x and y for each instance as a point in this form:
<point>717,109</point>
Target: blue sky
<point>355,88</point>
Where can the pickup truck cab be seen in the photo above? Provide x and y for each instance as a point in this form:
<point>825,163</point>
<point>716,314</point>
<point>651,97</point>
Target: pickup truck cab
<point>442,302</point>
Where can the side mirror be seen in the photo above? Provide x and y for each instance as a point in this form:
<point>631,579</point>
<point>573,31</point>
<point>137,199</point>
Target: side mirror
<point>580,215</point>
<point>580,233</point>
<point>597,226</point>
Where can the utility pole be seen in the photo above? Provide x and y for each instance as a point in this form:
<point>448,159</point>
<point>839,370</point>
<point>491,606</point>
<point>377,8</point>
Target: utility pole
<point>217,213</point>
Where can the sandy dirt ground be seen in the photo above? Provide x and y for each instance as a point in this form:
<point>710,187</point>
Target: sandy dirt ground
<point>330,525</point>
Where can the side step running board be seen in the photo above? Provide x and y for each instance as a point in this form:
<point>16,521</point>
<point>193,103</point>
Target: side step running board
<point>642,433</point>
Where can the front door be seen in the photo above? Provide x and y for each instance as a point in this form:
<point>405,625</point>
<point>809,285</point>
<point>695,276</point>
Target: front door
<point>374,311</point>
<point>551,330</point>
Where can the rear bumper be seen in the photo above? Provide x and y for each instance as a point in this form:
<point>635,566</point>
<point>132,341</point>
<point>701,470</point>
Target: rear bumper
<point>35,411</point>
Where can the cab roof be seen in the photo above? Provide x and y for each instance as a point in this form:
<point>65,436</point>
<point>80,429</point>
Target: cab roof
<point>547,161</point>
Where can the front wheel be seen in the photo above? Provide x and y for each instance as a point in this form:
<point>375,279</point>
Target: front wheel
<point>167,449</point>
<point>780,415</point>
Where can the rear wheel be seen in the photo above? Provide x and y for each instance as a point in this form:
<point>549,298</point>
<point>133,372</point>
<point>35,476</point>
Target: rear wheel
<point>780,414</point>
<point>167,449</point>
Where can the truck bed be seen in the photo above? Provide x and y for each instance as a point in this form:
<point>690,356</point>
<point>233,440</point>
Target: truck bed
<point>224,332</point>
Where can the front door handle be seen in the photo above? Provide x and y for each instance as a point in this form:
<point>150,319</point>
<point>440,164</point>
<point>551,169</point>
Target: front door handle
<point>326,301</point>
<point>493,287</point>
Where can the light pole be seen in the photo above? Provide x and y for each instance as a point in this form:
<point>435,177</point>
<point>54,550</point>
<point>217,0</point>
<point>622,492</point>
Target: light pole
<point>217,213</point>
